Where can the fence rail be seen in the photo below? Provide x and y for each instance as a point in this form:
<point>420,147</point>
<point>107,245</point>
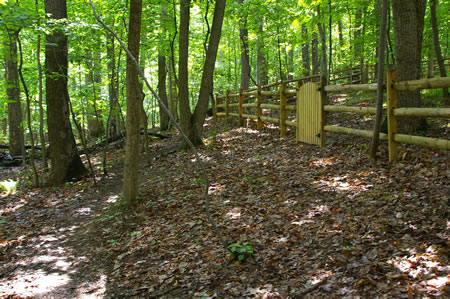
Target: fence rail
<point>276,100</point>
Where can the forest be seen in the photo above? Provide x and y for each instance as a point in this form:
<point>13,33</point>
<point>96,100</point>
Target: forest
<point>224,149</point>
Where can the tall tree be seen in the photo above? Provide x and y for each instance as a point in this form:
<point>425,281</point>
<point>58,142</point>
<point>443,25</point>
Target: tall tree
<point>408,26</point>
<point>323,48</point>
<point>130,176</point>
<point>65,161</point>
<point>243,36</point>
<point>380,87</point>
<point>261,61</point>
<point>16,136</point>
<point>315,54</point>
<point>40,92</point>
<point>305,52</point>
<point>113,92</point>
<point>437,46</point>
<point>183,74</point>
<point>162,74</point>
<point>192,124</point>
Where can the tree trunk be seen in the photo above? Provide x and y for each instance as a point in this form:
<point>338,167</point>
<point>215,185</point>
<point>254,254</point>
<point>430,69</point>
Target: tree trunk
<point>323,50</point>
<point>261,61</point>
<point>113,93</point>
<point>437,47</point>
<point>408,27</point>
<point>315,54</point>
<point>245,63</point>
<point>173,98</point>
<point>341,36</point>
<point>162,93</point>
<point>183,75</point>
<point>162,76</point>
<point>130,177</point>
<point>358,49</point>
<point>206,86</point>
<point>16,135</point>
<point>41,96</point>
<point>305,52</point>
<point>380,87</point>
<point>65,161</point>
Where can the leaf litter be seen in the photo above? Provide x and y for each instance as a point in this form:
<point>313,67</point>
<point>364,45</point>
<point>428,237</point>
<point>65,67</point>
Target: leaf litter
<point>319,223</point>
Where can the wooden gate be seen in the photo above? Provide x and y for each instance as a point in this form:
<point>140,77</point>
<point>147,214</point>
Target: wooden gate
<point>309,114</point>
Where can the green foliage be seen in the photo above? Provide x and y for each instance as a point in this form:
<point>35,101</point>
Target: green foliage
<point>249,179</point>
<point>433,97</point>
<point>241,250</point>
<point>198,181</point>
<point>281,20</point>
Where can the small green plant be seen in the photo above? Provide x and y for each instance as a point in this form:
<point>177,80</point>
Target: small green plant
<point>249,179</point>
<point>261,180</point>
<point>199,181</point>
<point>241,250</point>
<point>9,186</point>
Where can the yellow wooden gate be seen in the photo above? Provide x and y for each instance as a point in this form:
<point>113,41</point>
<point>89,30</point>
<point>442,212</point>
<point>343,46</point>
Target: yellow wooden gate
<point>309,114</point>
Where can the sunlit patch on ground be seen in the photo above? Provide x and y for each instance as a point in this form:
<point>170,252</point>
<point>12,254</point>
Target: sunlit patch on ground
<point>112,198</point>
<point>316,211</point>
<point>83,211</point>
<point>426,266</point>
<point>234,213</point>
<point>33,283</point>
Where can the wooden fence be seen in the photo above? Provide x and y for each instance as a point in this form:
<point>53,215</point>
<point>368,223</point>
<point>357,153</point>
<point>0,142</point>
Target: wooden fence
<point>308,115</point>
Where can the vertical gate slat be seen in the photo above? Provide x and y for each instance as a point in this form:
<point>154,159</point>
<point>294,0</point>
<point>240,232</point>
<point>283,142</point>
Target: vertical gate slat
<point>309,114</point>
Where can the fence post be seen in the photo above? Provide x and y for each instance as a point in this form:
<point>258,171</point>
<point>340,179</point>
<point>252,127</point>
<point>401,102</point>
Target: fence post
<point>283,114</point>
<point>241,109</point>
<point>392,120</point>
<point>259,124</point>
<point>227,107</point>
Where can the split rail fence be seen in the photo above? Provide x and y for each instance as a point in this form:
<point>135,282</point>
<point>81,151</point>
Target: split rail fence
<point>311,106</point>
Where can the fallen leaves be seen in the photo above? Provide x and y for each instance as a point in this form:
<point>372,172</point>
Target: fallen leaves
<point>321,223</point>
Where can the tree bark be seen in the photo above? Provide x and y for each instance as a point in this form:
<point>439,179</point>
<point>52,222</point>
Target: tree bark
<point>358,48</point>
<point>305,52</point>
<point>65,162</point>
<point>113,93</point>
<point>183,75</point>
<point>408,28</point>
<point>315,54</point>
<point>41,95</point>
<point>380,87</point>
<point>16,135</point>
<point>437,47</point>
<point>261,56</point>
<point>162,77</point>
<point>206,86</point>
<point>130,177</point>
<point>162,92</point>
<point>323,54</point>
<point>245,63</point>
<point>173,98</point>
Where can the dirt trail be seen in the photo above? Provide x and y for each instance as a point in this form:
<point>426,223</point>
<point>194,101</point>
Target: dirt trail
<point>53,256</point>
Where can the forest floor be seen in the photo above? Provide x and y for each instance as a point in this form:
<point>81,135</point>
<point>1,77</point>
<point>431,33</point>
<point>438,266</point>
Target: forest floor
<point>321,223</point>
